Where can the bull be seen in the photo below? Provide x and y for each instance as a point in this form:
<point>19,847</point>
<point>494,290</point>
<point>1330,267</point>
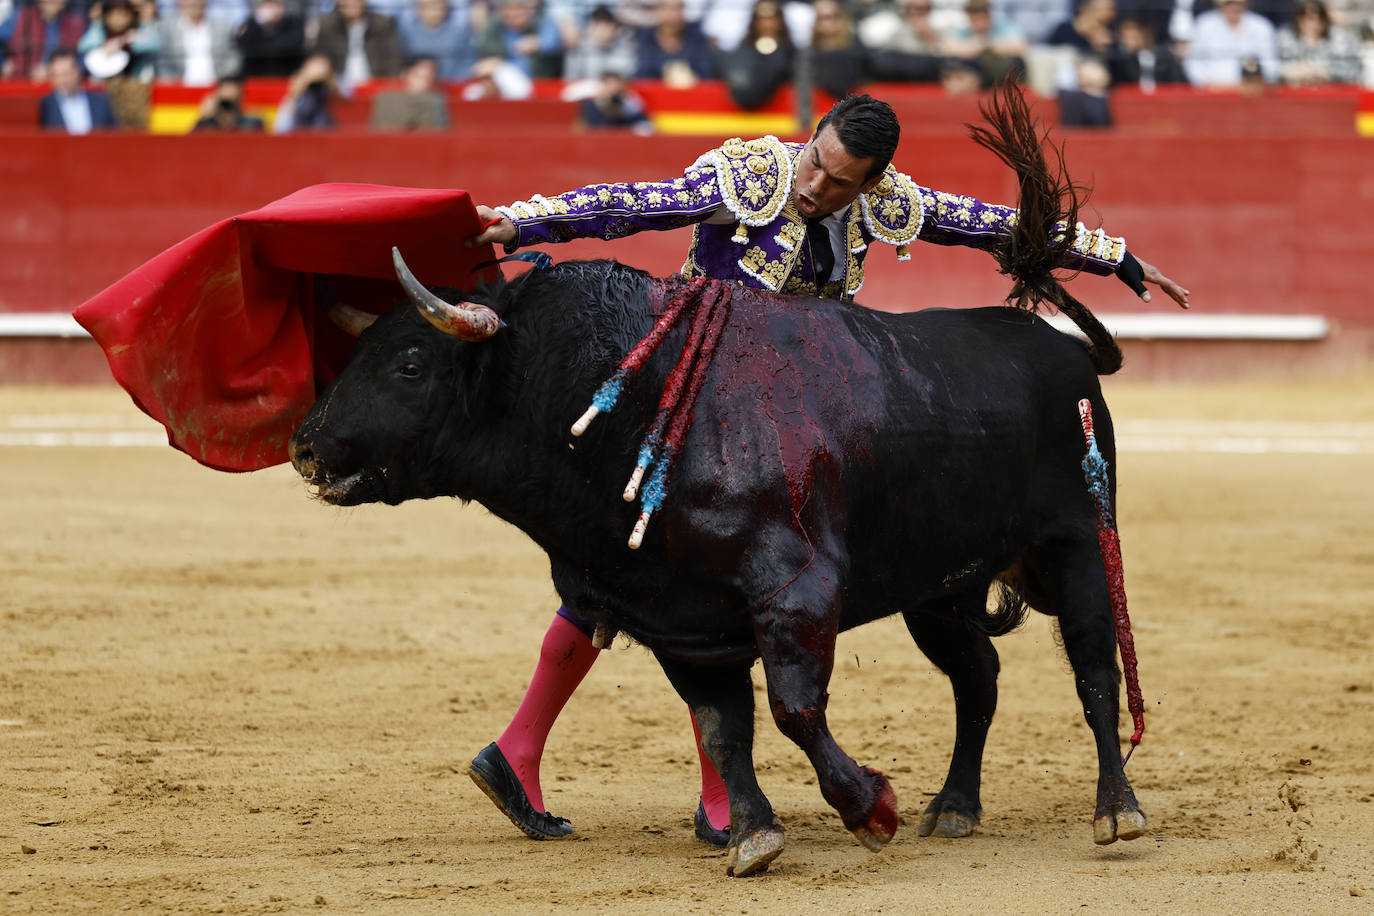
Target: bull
<point>844,465</point>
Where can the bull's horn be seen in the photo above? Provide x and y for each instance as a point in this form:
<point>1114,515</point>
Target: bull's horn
<point>352,321</point>
<point>469,321</point>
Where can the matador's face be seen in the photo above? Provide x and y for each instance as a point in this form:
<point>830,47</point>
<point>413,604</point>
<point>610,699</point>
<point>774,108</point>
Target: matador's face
<point>828,177</point>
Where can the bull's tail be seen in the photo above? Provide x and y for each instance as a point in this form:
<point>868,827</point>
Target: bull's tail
<point>1047,217</point>
<point>1008,614</point>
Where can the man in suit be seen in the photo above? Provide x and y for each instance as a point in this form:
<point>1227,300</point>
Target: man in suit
<point>69,107</point>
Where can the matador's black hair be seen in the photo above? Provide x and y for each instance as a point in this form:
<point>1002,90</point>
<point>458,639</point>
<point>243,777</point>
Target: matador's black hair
<point>867,129</point>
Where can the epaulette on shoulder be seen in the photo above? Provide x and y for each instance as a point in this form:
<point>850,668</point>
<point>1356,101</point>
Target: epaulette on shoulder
<point>893,211</point>
<point>755,177</point>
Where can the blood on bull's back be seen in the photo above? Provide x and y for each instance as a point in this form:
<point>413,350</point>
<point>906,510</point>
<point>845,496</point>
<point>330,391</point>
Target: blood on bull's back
<point>919,439</point>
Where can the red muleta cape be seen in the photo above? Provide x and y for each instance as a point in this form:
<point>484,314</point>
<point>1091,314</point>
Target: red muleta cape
<point>219,338</point>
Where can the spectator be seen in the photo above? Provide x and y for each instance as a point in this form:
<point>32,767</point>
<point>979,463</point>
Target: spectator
<point>1313,51</point>
<point>232,13</point>
<point>521,36</point>
<point>725,22</point>
<point>117,45</point>
<point>905,45</point>
<point>40,29</point>
<point>1223,38</point>
<point>1138,59</point>
<point>494,78</point>
<point>1157,14</point>
<point>1034,19</point>
<point>994,45</point>
<point>438,31</point>
<point>68,107</point>
<point>117,50</point>
<point>359,43</point>
<point>222,109</point>
<point>755,70</point>
<point>309,92</point>
<point>960,77</point>
<point>1089,31</point>
<point>196,50</point>
<point>418,106</point>
<point>606,47</point>
<point>1087,106</point>
<point>838,61</point>
<point>396,9</point>
<point>673,49</point>
<point>1278,12</point>
<point>271,42</point>
<point>615,106</point>
<point>8,14</point>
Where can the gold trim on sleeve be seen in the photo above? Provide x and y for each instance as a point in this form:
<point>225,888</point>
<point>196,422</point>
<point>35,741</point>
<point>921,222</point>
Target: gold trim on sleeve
<point>893,211</point>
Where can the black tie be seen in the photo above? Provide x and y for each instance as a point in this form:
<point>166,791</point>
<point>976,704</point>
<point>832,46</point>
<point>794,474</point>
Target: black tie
<point>822,255</point>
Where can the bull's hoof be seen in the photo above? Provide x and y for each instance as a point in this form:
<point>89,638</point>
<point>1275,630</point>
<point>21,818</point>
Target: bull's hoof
<point>881,826</point>
<point>950,815</point>
<point>494,777</point>
<point>751,854</point>
<point>950,825</point>
<point>1118,825</point>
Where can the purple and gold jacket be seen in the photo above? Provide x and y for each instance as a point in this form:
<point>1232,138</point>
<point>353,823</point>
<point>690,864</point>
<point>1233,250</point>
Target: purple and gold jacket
<point>764,244</point>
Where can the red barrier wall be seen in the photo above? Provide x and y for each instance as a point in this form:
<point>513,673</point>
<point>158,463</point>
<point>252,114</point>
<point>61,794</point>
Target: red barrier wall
<point>1251,225</point>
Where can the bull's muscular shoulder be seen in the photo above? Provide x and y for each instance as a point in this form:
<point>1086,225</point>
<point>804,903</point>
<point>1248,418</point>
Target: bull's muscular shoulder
<point>893,211</point>
<point>755,177</point>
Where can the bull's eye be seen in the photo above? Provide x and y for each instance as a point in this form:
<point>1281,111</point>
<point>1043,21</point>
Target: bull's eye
<point>409,370</point>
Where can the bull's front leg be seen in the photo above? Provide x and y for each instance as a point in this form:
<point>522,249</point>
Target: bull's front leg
<point>722,699</point>
<point>796,627</point>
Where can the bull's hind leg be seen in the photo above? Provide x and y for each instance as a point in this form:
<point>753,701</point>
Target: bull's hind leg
<point>968,658</point>
<point>795,626</point>
<point>722,699</point>
<point>1067,581</point>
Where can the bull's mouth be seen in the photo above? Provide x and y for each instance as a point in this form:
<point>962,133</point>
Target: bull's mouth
<point>342,492</point>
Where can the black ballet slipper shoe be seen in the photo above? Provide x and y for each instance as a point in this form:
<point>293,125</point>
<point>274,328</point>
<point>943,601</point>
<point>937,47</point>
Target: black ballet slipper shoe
<point>705,832</point>
<point>494,776</point>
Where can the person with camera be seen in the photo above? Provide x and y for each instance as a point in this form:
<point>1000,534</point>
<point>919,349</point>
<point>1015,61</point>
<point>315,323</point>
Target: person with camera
<point>223,109</point>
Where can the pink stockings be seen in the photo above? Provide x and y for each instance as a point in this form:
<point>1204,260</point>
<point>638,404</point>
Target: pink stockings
<point>565,658</point>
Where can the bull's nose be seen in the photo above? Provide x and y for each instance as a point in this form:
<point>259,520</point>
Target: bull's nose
<point>303,459</point>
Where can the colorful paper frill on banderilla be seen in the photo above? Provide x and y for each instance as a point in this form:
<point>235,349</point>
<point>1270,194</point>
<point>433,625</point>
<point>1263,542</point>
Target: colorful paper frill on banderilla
<point>1108,542</point>
<point>708,303</point>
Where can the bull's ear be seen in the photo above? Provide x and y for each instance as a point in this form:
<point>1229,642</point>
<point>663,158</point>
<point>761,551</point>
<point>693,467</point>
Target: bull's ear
<point>469,321</point>
<point>352,321</point>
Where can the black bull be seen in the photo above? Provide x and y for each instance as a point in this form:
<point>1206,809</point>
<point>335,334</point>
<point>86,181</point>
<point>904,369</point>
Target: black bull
<point>844,465</point>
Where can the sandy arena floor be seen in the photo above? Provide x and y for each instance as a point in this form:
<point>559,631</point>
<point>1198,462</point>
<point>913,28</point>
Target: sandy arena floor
<point>219,695</point>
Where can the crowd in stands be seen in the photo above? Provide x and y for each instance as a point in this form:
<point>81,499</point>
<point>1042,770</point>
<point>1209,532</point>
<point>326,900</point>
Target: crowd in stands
<point>1077,49</point>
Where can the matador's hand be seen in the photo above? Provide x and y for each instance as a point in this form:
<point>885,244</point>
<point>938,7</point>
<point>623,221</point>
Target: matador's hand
<point>1136,272</point>
<point>499,229</point>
